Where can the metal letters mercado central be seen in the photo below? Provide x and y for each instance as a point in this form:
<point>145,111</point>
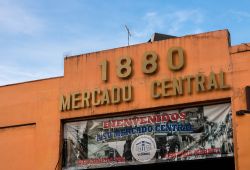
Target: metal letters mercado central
<point>164,88</point>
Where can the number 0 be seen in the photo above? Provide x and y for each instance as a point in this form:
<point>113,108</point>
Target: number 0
<point>171,64</point>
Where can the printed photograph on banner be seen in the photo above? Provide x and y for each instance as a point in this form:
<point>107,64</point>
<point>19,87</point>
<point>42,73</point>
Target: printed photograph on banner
<point>200,132</point>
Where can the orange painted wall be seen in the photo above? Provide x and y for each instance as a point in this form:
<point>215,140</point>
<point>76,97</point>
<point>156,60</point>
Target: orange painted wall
<point>38,101</point>
<point>241,61</point>
<point>30,146</point>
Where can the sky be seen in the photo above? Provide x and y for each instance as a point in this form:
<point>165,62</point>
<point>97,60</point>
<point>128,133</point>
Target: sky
<point>35,36</point>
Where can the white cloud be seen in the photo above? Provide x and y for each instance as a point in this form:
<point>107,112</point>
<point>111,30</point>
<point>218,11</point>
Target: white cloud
<point>172,22</point>
<point>15,74</point>
<point>179,19</point>
<point>152,21</point>
<point>17,19</point>
<point>197,30</point>
<point>150,14</point>
<point>44,60</point>
<point>240,15</point>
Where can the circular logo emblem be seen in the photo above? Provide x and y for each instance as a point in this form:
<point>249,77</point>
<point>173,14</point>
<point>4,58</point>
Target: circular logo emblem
<point>143,148</point>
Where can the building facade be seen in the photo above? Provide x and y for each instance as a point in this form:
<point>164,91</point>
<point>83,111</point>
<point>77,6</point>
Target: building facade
<point>174,100</point>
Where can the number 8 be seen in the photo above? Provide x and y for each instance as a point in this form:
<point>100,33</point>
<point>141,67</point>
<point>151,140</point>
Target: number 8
<point>149,62</point>
<point>124,69</point>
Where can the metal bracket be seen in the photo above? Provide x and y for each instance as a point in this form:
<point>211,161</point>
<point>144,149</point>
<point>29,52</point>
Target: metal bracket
<point>242,112</point>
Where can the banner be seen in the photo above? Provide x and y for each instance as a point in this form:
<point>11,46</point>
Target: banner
<point>162,136</point>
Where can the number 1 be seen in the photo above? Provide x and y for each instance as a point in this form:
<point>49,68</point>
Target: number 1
<point>104,70</point>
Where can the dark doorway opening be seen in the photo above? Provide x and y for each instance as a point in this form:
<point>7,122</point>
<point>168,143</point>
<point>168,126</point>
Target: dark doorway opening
<point>208,164</point>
